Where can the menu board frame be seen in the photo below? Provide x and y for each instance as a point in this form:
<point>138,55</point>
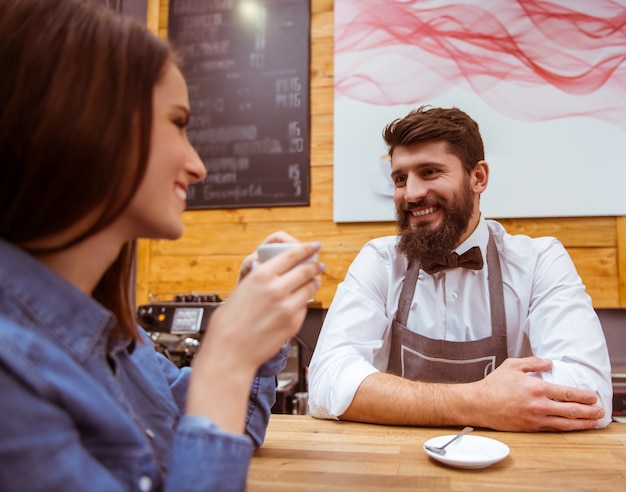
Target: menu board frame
<point>247,67</point>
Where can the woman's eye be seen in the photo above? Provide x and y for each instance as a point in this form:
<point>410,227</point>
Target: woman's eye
<point>181,123</point>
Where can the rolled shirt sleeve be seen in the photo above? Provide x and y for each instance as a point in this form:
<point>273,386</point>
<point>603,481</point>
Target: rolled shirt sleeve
<point>563,326</point>
<point>352,343</point>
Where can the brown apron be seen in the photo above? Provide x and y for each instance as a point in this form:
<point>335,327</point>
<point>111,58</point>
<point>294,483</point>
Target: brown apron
<point>417,357</point>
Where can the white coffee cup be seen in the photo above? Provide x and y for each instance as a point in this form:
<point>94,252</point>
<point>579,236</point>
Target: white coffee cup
<point>269,250</point>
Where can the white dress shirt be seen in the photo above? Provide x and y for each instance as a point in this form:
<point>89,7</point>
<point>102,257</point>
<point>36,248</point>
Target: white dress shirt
<point>548,314</point>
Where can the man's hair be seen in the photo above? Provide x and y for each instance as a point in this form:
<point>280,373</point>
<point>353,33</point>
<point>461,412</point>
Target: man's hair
<point>76,89</point>
<point>431,124</point>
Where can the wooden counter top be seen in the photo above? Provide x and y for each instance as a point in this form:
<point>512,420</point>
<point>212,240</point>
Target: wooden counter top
<point>305,454</point>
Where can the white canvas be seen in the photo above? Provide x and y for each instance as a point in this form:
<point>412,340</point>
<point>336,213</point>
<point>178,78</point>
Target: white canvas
<point>546,82</point>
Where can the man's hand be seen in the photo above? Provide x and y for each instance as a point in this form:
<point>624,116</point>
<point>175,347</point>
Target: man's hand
<point>509,399</point>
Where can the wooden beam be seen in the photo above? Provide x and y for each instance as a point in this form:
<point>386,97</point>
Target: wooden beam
<point>621,259</point>
<point>152,15</point>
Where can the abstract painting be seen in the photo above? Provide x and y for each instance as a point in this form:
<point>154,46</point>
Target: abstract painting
<point>545,80</point>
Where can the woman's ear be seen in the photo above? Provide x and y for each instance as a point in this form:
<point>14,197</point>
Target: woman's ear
<point>480,177</point>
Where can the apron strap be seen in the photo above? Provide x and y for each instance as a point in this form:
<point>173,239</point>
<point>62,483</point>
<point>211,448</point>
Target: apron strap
<point>408,290</point>
<point>496,291</point>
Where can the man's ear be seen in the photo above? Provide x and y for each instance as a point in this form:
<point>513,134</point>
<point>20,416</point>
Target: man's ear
<point>480,177</point>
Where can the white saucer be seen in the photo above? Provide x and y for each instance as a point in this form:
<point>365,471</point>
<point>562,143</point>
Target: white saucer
<point>471,452</point>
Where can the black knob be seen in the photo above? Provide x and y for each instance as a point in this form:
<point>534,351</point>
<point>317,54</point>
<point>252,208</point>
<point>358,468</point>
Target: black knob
<point>147,318</point>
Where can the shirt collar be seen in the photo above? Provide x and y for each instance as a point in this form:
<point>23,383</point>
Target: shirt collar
<point>480,238</point>
<point>37,298</point>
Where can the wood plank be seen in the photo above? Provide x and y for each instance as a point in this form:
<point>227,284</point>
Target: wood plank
<point>216,270</point>
<point>152,16</point>
<point>571,231</point>
<point>322,148</point>
<point>322,20</point>
<point>303,453</point>
<point>242,238</point>
<point>597,268</point>
<point>322,63</point>
<point>322,103</point>
<point>218,274</point>
<point>320,6</point>
<point>621,260</point>
<point>143,271</point>
<point>164,14</point>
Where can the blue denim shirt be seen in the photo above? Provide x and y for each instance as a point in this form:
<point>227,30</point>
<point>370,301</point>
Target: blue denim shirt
<point>79,414</point>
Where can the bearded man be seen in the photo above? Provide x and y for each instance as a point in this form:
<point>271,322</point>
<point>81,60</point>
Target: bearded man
<point>454,322</point>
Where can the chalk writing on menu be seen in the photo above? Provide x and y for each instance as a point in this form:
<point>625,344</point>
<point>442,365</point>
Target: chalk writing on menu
<point>247,68</point>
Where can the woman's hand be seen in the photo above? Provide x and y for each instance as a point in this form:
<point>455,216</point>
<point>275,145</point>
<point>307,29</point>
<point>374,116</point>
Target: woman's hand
<point>271,303</point>
<point>252,258</point>
<point>265,311</point>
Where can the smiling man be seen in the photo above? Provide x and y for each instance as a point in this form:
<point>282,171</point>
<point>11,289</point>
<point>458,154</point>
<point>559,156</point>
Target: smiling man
<point>454,321</point>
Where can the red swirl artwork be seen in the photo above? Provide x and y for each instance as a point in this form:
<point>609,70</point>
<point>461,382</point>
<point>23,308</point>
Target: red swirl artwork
<point>523,58</point>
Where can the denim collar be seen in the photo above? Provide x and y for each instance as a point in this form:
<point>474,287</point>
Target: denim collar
<point>37,298</point>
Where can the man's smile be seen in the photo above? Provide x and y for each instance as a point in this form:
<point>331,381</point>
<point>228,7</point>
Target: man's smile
<point>423,211</point>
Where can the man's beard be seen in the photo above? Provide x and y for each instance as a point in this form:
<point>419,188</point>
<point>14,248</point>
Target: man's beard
<point>434,243</point>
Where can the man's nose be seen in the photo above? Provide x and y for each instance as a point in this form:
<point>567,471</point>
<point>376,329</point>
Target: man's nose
<point>415,189</point>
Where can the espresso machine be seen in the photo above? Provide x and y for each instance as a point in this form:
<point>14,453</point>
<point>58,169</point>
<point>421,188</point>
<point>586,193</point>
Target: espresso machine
<point>176,324</point>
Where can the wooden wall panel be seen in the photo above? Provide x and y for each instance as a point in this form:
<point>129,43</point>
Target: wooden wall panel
<point>207,257</point>
<point>621,259</point>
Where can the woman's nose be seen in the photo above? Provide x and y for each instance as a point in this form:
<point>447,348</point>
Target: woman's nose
<point>195,167</point>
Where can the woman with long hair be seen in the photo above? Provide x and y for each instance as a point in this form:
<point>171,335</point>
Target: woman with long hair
<point>93,156</point>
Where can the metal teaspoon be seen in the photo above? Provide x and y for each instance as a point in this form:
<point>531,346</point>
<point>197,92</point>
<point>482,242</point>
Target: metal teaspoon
<point>441,449</point>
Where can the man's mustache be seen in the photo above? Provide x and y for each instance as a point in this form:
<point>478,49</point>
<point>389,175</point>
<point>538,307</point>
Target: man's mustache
<point>425,202</point>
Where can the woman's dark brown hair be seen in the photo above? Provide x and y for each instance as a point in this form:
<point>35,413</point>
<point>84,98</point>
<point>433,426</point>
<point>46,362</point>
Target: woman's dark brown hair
<point>76,86</point>
<point>450,124</point>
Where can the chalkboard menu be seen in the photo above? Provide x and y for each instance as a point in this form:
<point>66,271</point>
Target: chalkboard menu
<point>246,63</point>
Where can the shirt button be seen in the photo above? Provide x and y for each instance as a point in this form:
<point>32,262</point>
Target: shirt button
<point>145,483</point>
<point>454,295</point>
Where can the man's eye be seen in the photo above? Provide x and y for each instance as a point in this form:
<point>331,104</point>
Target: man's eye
<point>430,173</point>
<point>399,180</point>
